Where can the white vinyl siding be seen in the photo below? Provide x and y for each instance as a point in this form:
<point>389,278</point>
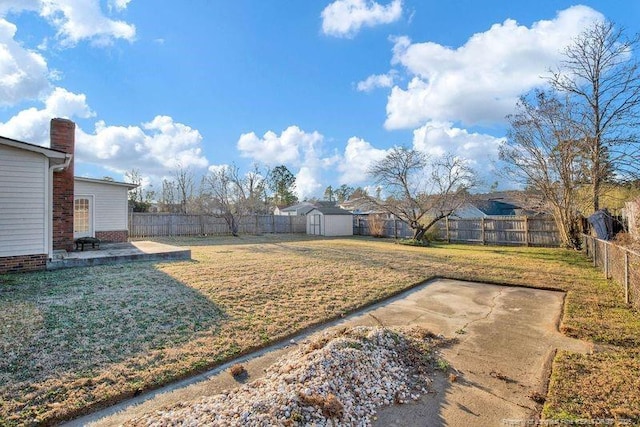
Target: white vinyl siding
<point>109,204</point>
<point>321,224</point>
<point>23,215</point>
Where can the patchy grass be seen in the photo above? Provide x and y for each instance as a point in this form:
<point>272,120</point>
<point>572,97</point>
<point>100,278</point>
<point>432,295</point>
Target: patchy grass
<point>72,340</point>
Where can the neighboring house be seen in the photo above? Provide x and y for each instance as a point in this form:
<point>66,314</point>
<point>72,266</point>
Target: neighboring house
<point>363,206</point>
<point>302,208</point>
<point>329,221</point>
<point>467,211</point>
<point>294,210</point>
<point>37,195</point>
<point>509,203</point>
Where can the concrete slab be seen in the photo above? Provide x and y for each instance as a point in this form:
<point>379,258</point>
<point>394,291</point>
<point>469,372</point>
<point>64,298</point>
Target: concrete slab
<point>507,337</point>
<point>113,253</point>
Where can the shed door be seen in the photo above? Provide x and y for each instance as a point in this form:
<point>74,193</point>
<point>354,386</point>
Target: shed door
<point>83,216</point>
<point>315,224</point>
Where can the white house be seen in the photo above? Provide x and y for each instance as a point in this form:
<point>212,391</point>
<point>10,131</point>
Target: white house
<point>101,209</point>
<point>38,197</point>
<point>329,221</point>
<point>294,210</point>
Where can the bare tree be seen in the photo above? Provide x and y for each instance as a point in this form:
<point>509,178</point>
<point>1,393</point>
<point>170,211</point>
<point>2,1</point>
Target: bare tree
<point>422,191</point>
<point>227,194</point>
<point>544,152</point>
<point>602,78</point>
<point>140,198</point>
<point>184,183</point>
<point>167,200</point>
<point>255,190</point>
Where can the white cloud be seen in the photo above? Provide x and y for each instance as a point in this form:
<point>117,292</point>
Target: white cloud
<point>218,168</point>
<point>19,6</point>
<point>300,151</point>
<point>376,81</point>
<point>77,20</point>
<point>291,147</point>
<point>155,148</point>
<point>358,156</point>
<point>480,81</point>
<point>32,125</point>
<point>118,5</point>
<point>308,182</point>
<point>344,18</point>
<point>480,150</point>
<point>23,73</point>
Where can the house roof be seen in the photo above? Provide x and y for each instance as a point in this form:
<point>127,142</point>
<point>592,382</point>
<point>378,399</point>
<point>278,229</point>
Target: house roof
<point>296,207</point>
<point>497,207</point>
<point>361,206</point>
<point>56,157</point>
<point>305,209</point>
<point>331,210</point>
<point>467,210</point>
<point>104,181</point>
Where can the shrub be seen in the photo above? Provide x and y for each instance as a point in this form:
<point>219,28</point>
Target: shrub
<point>376,225</point>
<point>238,371</point>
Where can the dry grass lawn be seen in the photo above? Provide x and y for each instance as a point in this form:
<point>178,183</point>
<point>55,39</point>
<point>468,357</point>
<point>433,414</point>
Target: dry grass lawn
<point>77,339</point>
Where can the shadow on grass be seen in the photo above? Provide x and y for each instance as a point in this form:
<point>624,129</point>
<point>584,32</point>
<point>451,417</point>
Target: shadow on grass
<point>85,337</point>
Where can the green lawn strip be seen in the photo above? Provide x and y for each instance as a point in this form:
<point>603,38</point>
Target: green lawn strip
<point>83,338</point>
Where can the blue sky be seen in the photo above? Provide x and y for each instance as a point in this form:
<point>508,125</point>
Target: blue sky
<point>324,87</point>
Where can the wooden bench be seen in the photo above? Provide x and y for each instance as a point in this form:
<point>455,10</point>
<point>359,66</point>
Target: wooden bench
<point>85,241</point>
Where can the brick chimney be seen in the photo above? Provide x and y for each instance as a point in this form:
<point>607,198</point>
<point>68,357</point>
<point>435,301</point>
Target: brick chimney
<point>62,136</point>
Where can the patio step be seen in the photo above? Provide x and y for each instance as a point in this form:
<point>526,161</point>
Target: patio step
<point>119,253</point>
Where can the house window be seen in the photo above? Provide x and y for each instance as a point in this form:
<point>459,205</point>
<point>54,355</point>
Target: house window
<point>81,222</point>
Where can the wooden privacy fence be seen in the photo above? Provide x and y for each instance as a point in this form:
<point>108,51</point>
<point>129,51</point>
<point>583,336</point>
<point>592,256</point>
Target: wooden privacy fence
<point>508,230</point>
<point>392,228</point>
<point>618,263</point>
<point>166,224</point>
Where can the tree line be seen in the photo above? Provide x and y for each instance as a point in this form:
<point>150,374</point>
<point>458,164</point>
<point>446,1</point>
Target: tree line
<point>569,141</point>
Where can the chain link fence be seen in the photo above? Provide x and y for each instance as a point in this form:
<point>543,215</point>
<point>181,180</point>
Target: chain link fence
<point>618,263</point>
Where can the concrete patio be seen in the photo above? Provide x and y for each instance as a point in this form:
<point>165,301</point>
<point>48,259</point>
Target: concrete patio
<point>114,253</point>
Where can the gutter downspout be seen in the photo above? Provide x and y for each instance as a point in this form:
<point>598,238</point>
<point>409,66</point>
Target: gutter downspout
<point>48,203</point>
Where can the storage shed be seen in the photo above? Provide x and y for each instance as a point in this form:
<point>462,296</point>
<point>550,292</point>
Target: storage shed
<point>329,221</point>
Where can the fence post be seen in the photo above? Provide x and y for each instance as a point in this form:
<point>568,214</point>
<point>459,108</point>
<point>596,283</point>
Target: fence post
<point>447,225</point>
<point>595,252</point>
<point>626,277</point>
<point>606,261</point>
<point>585,245</point>
<point>526,230</point>
<point>395,228</point>
<point>482,226</point>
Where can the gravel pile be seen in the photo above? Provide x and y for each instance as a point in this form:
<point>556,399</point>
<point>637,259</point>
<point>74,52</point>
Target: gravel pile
<point>337,378</point>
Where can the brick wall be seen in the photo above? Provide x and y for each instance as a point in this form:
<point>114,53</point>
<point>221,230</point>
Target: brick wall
<point>113,236</point>
<point>63,139</point>
<point>14,264</point>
